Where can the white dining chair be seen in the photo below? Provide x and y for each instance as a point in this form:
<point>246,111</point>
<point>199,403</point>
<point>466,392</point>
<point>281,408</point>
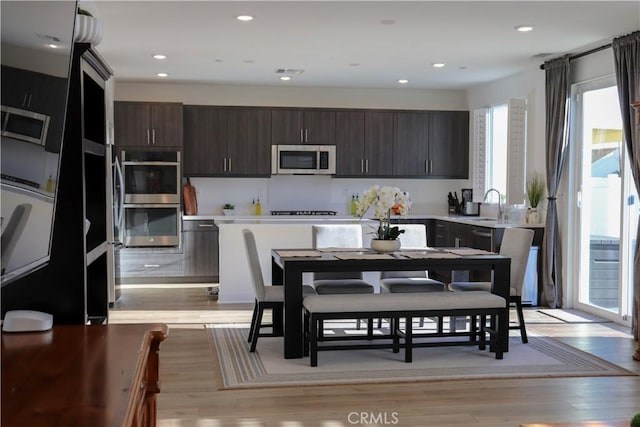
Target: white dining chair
<point>516,244</point>
<point>267,297</point>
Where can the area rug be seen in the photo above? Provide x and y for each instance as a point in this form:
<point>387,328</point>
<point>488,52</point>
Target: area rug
<point>541,357</point>
<point>569,315</point>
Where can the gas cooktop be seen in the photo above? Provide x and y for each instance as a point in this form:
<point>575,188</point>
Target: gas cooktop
<point>303,212</point>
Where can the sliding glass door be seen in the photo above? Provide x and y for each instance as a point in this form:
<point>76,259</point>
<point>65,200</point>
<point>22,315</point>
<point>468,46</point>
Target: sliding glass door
<point>604,206</point>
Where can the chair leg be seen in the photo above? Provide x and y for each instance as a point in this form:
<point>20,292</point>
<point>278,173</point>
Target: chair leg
<point>521,325</point>
<point>253,322</point>
<point>256,328</point>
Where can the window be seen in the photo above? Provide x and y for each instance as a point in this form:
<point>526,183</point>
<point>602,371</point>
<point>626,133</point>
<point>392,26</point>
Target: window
<point>499,135</point>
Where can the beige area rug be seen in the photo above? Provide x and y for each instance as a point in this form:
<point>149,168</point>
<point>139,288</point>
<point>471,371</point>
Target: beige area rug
<point>541,357</point>
<point>570,315</point>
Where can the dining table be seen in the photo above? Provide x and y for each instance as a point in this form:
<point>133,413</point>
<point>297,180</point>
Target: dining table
<point>289,265</point>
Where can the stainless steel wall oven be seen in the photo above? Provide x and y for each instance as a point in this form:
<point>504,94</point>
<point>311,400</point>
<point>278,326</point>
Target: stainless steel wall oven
<point>151,208</point>
<point>152,225</point>
<point>151,176</point>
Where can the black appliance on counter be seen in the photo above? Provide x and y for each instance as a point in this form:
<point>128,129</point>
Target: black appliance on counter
<point>466,206</point>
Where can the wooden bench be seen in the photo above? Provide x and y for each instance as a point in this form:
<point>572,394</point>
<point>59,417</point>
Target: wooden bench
<point>318,308</point>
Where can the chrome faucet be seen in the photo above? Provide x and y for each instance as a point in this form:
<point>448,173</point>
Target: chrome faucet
<point>500,210</point>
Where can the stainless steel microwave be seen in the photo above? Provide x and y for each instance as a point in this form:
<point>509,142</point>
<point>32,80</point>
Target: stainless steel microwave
<point>303,159</point>
<point>24,125</point>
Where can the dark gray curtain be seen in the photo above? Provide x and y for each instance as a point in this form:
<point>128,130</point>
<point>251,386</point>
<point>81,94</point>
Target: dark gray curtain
<point>557,96</point>
<point>626,53</point>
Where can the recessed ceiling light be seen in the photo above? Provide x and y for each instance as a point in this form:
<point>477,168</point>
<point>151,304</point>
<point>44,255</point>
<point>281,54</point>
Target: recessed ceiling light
<point>52,46</point>
<point>438,64</point>
<point>159,56</point>
<point>285,78</point>
<point>388,22</point>
<point>524,28</point>
<point>244,18</point>
<point>162,75</point>
<point>403,81</point>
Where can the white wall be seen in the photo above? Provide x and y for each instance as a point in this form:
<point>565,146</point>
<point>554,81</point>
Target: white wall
<point>209,94</point>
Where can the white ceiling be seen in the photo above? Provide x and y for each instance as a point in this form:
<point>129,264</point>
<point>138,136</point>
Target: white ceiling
<point>347,43</point>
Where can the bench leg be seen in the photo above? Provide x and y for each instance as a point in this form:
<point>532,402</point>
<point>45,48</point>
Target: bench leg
<point>394,329</point>
<point>306,334</point>
<point>408,340</point>
<point>313,340</point>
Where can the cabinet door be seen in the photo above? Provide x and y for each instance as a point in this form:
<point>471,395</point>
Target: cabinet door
<point>131,122</point>
<point>166,125</point>
<point>410,147</point>
<point>249,145</point>
<point>378,143</point>
<point>203,146</point>
<point>350,134</point>
<point>287,127</point>
<point>449,144</point>
<point>320,127</point>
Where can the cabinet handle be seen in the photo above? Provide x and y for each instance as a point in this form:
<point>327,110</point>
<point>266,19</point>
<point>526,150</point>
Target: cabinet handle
<point>230,164</point>
<point>301,135</point>
<point>306,135</point>
<point>366,165</point>
<point>224,167</point>
<point>24,100</point>
<point>153,133</point>
<point>430,166</point>
<point>456,242</point>
<point>361,165</point>
<point>148,137</point>
<point>481,234</point>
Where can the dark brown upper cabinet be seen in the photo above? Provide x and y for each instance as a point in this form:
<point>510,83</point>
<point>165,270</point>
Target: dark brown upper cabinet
<point>303,126</point>
<point>364,143</point>
<point>148,124</point>
<point>431,144</point>
<point>202,146</point>
<point>222,141</point>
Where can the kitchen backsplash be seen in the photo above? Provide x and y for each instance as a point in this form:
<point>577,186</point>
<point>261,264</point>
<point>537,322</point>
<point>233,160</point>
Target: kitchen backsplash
<point>303,192</point>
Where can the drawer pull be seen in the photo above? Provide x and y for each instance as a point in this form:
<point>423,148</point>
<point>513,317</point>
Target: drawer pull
<point>205,225</point>
<point>151,265</point>
<point>481,234</point>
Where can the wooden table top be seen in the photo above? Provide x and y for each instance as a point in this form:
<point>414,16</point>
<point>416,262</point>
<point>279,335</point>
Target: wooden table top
<point>74,375</point>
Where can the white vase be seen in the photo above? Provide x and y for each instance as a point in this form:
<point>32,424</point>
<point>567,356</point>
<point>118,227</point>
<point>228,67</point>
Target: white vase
<point>533,216</point>
<point>88,30</point>
<point>385,246</point>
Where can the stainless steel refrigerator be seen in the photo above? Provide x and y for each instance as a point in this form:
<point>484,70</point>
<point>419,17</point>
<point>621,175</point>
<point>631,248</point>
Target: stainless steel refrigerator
<point>115,198</point>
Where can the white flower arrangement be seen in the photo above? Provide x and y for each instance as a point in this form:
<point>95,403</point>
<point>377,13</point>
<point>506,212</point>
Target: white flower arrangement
<point>384,201</point>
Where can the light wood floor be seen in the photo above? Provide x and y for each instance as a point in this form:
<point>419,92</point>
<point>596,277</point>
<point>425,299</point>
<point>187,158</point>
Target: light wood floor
<point>190,379</point>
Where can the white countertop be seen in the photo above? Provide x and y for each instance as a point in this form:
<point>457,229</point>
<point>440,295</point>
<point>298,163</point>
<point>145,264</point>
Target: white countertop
<point>308,219</point>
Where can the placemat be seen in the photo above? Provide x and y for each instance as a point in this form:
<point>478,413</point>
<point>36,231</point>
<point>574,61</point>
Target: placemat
<point>364,256</point>
<point>300,253</point>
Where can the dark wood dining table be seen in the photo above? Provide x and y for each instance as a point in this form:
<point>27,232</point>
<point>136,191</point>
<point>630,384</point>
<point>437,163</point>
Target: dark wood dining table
<point>288,266</point>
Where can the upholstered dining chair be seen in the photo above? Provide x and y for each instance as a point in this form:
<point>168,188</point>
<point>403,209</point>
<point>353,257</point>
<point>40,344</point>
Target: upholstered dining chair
<point>267,297</point>
<point>516,243</point>
<point>350,282</point>
<point>414,237</point>
<point>339,236</point>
